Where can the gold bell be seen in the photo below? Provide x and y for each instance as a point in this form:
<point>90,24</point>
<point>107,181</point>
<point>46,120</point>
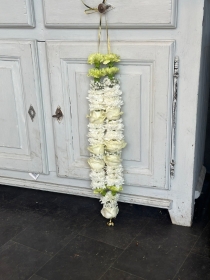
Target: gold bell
<point>110,223</point>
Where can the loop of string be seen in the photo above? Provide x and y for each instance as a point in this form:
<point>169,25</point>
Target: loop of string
<point>91,10</point>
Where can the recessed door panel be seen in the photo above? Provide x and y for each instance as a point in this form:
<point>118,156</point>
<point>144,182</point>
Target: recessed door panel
<point>146,81</point>
<point>16,13</point>
<point>126,14</point>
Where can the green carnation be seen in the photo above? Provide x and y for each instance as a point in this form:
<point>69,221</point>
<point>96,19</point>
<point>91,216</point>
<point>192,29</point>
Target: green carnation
<point>111,71</point>
<point>96,73</point>
<point>110,58</point>
<point>115,189</point>
<point>96,59</point>
<point>100,191</point>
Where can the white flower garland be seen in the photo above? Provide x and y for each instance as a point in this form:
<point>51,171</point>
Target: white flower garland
<point>105,136</point>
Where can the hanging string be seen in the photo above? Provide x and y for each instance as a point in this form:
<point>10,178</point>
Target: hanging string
<point>107,36</point>
<point>99,33</point>
<point>91,10</point>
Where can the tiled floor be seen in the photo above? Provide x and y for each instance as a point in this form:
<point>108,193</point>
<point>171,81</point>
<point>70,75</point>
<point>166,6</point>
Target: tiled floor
<point>49,236</point>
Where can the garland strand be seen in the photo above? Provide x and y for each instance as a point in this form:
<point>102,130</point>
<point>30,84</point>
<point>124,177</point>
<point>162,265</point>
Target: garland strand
<point>105,136</point>
<point>106,139</point>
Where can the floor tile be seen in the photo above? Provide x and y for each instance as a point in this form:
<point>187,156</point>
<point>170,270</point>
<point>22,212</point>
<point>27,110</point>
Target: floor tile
<point>196,267</point>
<point>40,201</point>
<point>202,246</point>
<point>53,231</point>
<point>116,274</point>
<point>43,201</point>
<point>19,262</point>
<point>150,261</point>
<point>198,226</point>
<point>202,209</point>
<point>44,223</point>
<point>145,211</point>
<point>13,221</point>
<point>126,228</point>
<point>82,258</point>
<point>8,193</point>
<point>163,234</point>
<point>35,277</point>
<point>81,205</point>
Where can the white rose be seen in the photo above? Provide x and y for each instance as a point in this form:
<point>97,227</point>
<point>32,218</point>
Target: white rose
<point>112,160</point>
<point>115,146</point>
<point>110,213</point>
<point>113,113</point>
<point>97,149</point>
<point>97,117</point>
<point>96,163</point>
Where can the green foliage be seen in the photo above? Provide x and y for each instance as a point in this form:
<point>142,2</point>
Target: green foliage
<point>113,189</point>
<point>100,191</point>
<point>98,60</point>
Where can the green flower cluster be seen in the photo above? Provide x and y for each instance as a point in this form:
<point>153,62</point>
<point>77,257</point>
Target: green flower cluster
<point>98,73</point>
<point>98,60</point>
<point>113,189</point>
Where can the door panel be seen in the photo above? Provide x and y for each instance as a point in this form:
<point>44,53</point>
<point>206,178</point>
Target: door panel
<point>127,14</point>
<point>146,81</point>
<point>22,145</point>
<point>8,108</point>
<point>16,13</point>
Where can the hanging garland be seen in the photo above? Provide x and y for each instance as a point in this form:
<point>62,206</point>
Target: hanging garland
<point>105,136</point>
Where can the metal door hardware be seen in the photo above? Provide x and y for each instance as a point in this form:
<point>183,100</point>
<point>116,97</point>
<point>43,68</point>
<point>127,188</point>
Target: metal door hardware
<point>31,113</point>
<point>174,108</point>
<point>58,114</point>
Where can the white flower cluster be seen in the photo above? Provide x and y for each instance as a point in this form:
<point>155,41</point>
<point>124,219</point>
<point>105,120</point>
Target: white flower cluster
<point>110,200</point>
<point>104,96</point>
<point>114,176</point>
<point>98,179</point>
<point>110,207</point>
<point>106,140</point>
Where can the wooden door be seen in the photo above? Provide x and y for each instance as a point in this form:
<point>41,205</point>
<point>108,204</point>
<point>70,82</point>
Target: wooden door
<point>146,81</point>
<point>22,145</point>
